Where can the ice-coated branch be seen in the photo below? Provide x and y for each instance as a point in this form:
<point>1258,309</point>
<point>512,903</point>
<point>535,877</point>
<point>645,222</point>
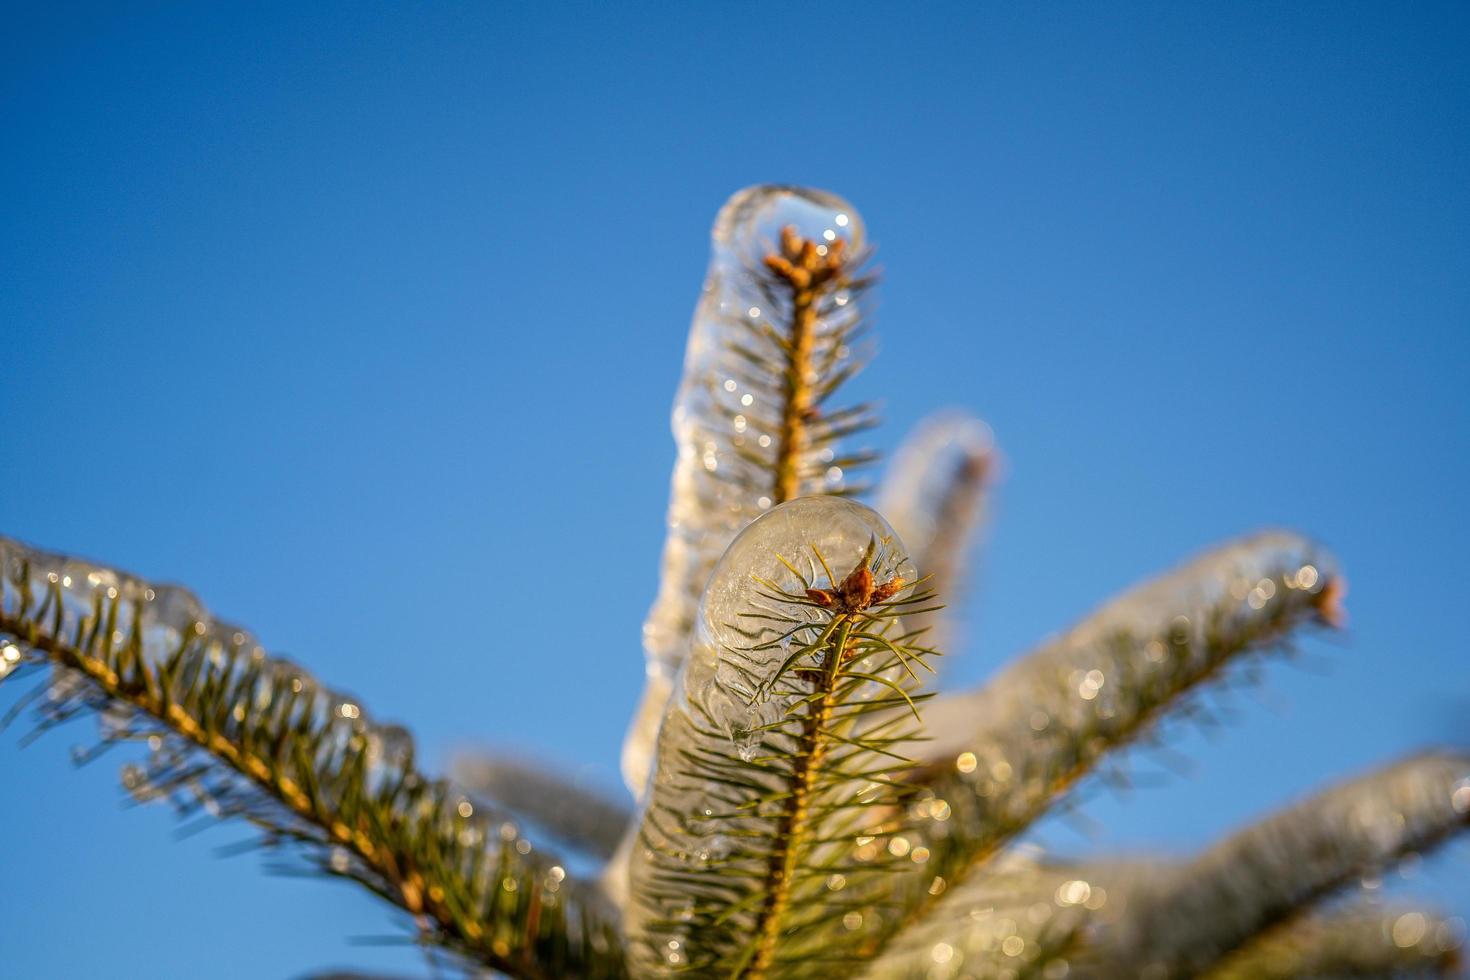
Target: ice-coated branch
<point>232,732</point>
<point>1020,918</point>
<point>580,817</point>
<point>1003,754</point>
<point>754,835</point>
<point>776,332</point>
<point>1269,874</point>
<point>933,494</point>
<point>1360,941</point>
<point>1024,917</point>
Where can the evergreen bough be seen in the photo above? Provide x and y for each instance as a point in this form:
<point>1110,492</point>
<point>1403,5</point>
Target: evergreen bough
<point>802,807</point>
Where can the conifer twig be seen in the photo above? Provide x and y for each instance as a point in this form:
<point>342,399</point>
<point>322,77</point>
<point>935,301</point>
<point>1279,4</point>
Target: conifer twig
<point>1001,755</point>
<point>583,818</point>
<point>933,494</point>
<point>1021,918</point>
<point>775,334</point>
<point>755,821</point>
<point>1269,875</point>
<point>1364,940</point>
<point>1026,917</point>
<point>233,732</point>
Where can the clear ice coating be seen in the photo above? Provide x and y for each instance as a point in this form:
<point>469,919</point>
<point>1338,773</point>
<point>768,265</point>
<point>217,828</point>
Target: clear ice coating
<point>728,688</point>
<point>726,416</point>
<point>999,755</point>
<point>727,670</point>
<point>170,615</point>
<point>79,617</point>
<point>73,599</point>
<point>1014,920</point>
<point>1362,938</point>
<point>1102,921</point>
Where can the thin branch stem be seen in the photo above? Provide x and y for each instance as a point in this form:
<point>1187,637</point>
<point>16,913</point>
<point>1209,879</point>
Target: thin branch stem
<point>792,824</point>
<point>797,403</point>
<point>808,270</point>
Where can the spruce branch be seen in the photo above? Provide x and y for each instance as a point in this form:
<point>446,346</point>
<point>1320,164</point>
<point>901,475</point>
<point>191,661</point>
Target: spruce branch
<point>582,818</point>
<point>796,821</point>
<point>1267,876</point>
<point>1026,917</point>
<point>756,821</point>
<point>1021,918</point>
<point>1363,940</point>
<point>1002,755</point>
<point>776,332</point>
<point>933,494</point>
<point>233,733</point>
<point>1244,908</point>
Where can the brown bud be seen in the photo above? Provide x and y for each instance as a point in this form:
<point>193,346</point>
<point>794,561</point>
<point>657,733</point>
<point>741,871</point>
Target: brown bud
<point>857,588</point>
<point>790,243</point>
<point>888,589</point>
<point>821,597</point>
<point>780,266</point>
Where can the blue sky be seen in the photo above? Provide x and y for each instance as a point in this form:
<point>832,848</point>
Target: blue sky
<point>364,321</point>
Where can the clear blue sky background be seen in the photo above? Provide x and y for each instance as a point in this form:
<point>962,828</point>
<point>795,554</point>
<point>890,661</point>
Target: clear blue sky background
<point>364,321</point>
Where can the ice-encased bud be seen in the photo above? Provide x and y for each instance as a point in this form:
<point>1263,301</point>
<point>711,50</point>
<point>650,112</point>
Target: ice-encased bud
<point>744,632</point>
<point>733,684</point>
<point>749,225</point>
<point>723,419</point>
